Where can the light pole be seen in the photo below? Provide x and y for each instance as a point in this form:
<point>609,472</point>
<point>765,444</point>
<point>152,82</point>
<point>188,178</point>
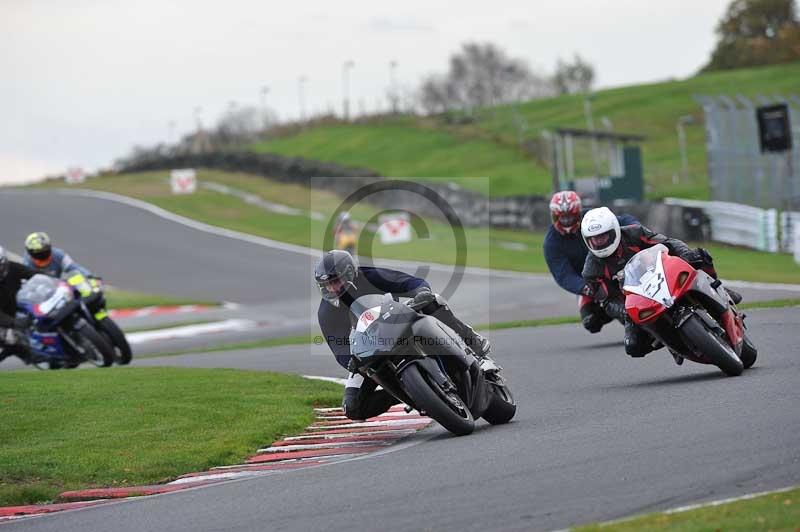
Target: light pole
<point>393,85</point>
<point>346,66</point>
<point>170,131</point>
<point>264,91</point>
<point>301,96</point>
<point>587,111</point>
<point>684,121</point>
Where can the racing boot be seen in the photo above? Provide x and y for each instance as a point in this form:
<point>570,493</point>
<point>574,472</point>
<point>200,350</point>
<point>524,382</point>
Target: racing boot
<point>479,344</point>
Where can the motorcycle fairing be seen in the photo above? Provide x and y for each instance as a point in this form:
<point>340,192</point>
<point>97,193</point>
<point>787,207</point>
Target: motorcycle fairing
<point>654,280</point>
<point>384,330</point>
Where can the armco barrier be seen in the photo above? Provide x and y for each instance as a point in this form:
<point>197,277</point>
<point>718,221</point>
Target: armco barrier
<point>738,224</point>
<point>790,230</point>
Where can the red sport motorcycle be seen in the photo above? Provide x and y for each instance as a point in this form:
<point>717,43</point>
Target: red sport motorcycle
<point>686,310</point>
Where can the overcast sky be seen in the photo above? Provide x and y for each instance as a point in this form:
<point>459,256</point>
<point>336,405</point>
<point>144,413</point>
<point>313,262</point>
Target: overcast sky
<point>84,80</point>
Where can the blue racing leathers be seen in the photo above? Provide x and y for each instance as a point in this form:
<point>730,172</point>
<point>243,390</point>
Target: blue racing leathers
<point>566,255</point>
<point>60,262</point>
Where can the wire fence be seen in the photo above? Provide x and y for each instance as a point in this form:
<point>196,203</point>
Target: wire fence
<point>738,170</point>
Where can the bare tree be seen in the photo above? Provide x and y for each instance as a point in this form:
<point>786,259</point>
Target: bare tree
<point>577,76</point>
<point>480,75</point>
<point>242,124</point>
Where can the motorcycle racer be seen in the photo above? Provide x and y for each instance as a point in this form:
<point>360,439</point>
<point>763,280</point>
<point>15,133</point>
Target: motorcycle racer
<point>345,234</point>
<point>13,333</point>
<point>565,253</point>
<point>341,280</point>
<point>52,261</point>
<point>611,247</point>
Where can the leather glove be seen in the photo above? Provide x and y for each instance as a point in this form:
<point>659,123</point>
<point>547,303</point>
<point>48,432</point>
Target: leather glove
<point>423,298</point>
<point>352,365</point>
<point>694,257</point>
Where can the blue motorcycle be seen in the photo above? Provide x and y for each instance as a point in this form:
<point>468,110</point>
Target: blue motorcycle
<point>61,331</point>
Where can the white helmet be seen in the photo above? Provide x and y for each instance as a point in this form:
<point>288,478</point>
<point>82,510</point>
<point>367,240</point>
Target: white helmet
<point>600,231</point>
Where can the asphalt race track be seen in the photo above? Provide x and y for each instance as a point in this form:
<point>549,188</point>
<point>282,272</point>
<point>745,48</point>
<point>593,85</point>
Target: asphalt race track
<point>598,435</point>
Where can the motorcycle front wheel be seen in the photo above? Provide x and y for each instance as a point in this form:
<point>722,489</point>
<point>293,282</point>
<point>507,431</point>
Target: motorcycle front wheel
<point>97,349</point>
<point>712,346</point>
<point>445,407</point>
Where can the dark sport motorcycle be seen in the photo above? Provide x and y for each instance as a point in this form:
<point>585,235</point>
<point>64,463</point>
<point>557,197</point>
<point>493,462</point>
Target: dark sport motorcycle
<point>426,365</point>
<point>687,310</point>
<point>90,290</point>
<point>61,333</point>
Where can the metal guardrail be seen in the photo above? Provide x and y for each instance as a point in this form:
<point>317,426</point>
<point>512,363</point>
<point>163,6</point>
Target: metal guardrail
<point>734,223</point>
<point>790,231</point>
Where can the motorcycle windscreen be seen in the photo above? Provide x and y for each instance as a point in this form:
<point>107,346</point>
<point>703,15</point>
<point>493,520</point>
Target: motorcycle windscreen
<point>37,289</point>
<point>382,325</point>
<point>644,276</point>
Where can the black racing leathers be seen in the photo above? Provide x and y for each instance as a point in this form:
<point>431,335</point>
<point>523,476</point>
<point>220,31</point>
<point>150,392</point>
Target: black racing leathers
<point>8,291</point>
<point>361,400</point>
<point>599,274</point>
<point>8,308</point>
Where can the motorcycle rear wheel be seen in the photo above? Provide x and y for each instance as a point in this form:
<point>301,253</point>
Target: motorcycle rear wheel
<point>749,353</point>
<point>431,399</point>
<point>118,340</point>
<point>502,407</point>
<point>712,347</point>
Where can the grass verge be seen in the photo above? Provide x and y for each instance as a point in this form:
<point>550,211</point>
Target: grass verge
<point>775,303</point>
<point>775,512</point>
<point>240,346</point>
<point>61,431</point>
<point>117,299</point>
<point>487,248</point>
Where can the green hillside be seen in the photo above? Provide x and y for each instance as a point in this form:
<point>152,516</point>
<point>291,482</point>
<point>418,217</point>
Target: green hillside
<point>427,148</point>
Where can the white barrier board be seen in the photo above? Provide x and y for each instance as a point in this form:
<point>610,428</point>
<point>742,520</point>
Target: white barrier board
<point>75,176</point>
<point>183,181</point>
<point>394,228</point>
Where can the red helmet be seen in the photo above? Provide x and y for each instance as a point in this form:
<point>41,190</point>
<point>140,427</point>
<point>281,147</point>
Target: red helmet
<point>565,209</point>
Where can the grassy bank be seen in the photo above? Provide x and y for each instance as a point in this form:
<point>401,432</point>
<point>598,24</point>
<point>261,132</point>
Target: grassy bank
<point>487,248</point>
<point>131,426</point>
<point>489,147</point>
<point>778,512</point>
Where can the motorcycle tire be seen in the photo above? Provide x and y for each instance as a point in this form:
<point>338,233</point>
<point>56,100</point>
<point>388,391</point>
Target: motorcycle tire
<point>436,403</point>
<point>712,346</point>
<point>124,354</point>
<point>749,353</point>
<point>92,341</point>
<point>502,406</point>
